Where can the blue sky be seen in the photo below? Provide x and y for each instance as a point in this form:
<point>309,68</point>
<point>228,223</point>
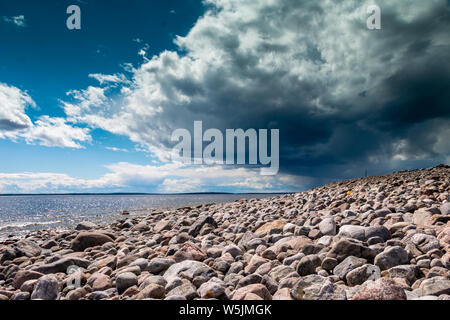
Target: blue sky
<point>47,60</point>
<point>92,110</point>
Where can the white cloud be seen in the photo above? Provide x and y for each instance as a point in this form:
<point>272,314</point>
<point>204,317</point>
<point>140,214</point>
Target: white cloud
<point>107,78</point>
<point>29,182</point>
<point>17,20</point>
<point>167,178</point>
<point>182,185</point>
<point>16,125</point>
<point>55,132</point>
<point>115,149</point>
<point>143,51</point>
<point>13,103</point>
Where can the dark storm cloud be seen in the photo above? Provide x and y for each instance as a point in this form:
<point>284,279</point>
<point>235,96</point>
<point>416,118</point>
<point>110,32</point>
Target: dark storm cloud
<point>345,98</point>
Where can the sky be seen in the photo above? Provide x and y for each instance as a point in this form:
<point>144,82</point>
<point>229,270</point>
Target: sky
<point>93,110</point>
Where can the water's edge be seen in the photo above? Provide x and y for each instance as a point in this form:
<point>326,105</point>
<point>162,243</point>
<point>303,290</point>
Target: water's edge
<point>21,214</point>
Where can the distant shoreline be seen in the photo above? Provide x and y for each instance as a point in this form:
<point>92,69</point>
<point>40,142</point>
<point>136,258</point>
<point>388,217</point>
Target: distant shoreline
<point>137,194</point>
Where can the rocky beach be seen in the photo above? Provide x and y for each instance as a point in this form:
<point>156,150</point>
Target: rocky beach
<point>376,238</point>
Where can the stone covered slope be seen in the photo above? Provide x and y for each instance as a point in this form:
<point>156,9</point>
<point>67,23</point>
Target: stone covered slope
<point>385,237</point>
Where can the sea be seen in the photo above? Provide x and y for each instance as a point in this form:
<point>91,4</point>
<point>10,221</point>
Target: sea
<point>20,214</point>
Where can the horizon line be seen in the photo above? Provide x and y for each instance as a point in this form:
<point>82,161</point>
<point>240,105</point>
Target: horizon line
<point>135,193</point>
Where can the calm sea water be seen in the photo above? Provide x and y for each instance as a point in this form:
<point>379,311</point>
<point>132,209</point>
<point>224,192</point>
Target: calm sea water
<point>21,214</point>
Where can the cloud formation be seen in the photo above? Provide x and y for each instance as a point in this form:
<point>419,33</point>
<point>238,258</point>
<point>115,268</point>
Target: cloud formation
<point>167,178</point>
<point>344,97</point>
<point>16,125</point>
<point>16,20</point>
<point>13,103</point>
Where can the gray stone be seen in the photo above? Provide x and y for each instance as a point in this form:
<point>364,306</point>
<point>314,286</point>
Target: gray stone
<point>27,248</point>
<point>391,257</point>
<point>281,272</point>
<point>175,298</point>
<point>221,265</point>
<point>153,280</point>
<point>445,209</point>
<point>423,263</point>
<point>21,296</point>
<point>382,212</point>
<point>85,225</point>
<point>250,279</point>
<point>270,284</point>
<point>8,254</point>
<point>354,232</point>
<point>47,288</point>
<point>347,265</point>
<point>289,228</point>
<point>363,273</point>
<point>142,263</point>
<point>98,295</point>
<point>233,250</point>
<point>197,226</point>
<point>327,226</point>
<point>62,265</point>
<point>156,265</point>
<point>296,257</point>
<point>174,282</point>
<point>186,290</point>
<point>152,291</point>
<point>329,263</point>
<point>214,288</point>
<point>325,291</point>
<point>425,242</point>
<point>298,290</point>
<point>87,239</point>
<point>325,241</point>
<point>125,280</point>
<point>49,244</point>
<point>189,269</point>
<point>434,286</point>
<point>407,272</point>
<point>346,247</point>
<point>308,264</point>
<point>377,231</point>
<point>245,241</point>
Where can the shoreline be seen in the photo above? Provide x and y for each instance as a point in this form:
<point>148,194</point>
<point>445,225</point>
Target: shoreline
<point>140,194</point>
<point>20,227</point>
<point>118,216</point>
<point>382,237</point>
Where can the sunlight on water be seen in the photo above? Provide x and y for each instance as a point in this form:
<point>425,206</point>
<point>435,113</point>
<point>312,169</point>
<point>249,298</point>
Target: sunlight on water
<point>20,214</point>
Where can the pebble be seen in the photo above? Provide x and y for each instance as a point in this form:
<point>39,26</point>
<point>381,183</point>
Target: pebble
<point>381,289</point>
<point>125,280</point>
<point>391,257</point>
<point>387,239</point>
<point>363,273</point>
<point>328,226</point>
<point>47,288</point>
<point>347,265</point>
